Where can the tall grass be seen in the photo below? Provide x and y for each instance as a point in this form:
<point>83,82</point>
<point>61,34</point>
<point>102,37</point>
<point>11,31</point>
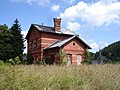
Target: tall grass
<point>83,77</point>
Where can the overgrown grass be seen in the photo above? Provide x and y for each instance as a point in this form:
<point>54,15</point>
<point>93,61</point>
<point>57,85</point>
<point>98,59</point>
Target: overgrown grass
<point>83,77</point>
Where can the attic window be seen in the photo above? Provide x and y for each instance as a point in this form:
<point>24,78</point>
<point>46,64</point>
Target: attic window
<point>73,43</point>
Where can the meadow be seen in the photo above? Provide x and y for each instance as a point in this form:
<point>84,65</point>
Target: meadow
<point>38,77</point>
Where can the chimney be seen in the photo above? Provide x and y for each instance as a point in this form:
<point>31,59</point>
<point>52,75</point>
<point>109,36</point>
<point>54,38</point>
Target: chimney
<point>57,24</point>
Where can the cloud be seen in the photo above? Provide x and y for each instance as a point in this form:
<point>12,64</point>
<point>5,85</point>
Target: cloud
<point>70,2</point>
<point>24,33</point>
<point>39,2</point>
<point>73,26</point>
<point>93,44</point>
<point>55,7</point>
<point>96,46</point>
<point>94,14</point>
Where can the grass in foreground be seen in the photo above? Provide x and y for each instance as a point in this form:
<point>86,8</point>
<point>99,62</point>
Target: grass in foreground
<point>83,77</point>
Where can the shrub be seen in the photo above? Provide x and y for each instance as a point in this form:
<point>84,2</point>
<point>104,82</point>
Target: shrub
<point>61,55</point>
<point>1,62</point>
<point>42,62</point>
<point>17,60</point>
<point>64,62</point>
<point>29,59</point>
<point>10,62</point>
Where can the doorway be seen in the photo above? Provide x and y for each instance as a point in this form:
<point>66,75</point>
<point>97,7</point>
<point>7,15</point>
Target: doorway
<point>50,59</point>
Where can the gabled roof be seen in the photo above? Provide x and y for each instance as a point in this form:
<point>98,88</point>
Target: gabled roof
<point>61,32</point>
<point>51,30</point>
<point>60,43</point>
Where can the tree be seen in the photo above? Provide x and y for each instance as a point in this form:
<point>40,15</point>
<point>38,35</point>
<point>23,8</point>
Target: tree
<point>18,40</point>
<point>111,52</point>
<point>89,56</point>
<point>5,43</point>
<point>61,55</point>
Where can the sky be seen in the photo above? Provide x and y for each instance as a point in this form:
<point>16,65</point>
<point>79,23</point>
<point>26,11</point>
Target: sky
<point>97,22</point>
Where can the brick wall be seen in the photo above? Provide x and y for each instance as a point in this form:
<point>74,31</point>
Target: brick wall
<point>74,48</point>
<point>33,36</point>
<point>49,38</point>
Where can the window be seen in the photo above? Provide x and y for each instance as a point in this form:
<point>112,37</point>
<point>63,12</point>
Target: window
<point>73,43</point>
<point>69,59</point>
<point>36,58</point>
<point>32,45</point>
<point>36,43</point>
<point>79,59</point>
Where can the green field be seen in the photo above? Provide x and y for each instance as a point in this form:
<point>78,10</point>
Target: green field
<point>83,77</point>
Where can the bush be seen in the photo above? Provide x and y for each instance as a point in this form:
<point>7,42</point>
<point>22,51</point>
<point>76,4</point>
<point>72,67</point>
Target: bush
<point>17,60</point>
<point>1,62</point>
<point>61,54</point>
<point>29,59</point>
<point>10,62</point>
<point>42,62</point>
<point>64,62</point>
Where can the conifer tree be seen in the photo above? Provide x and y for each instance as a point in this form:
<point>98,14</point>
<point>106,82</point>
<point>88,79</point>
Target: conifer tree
<point>18,40</point>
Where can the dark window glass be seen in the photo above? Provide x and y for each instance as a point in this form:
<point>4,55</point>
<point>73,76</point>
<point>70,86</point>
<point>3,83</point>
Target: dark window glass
<point>32,45</point>
<point>36,43</point>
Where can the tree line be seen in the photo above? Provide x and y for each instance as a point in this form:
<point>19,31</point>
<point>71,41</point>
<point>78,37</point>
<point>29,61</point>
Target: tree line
<point>112,51</point>
<point>11,41</point>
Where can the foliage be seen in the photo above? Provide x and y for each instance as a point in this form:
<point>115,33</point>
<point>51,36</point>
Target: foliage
<point>10,62</point>
<point>11,41</point>
<point>1,62</point>
<point>42,62</point>
<point>61,55</point>
<point>17,60</point>
<point>83,77</point>
<point>29,59</point>
<point>89,56</point>
<point>5,43</point>
<point>17,40</point>
<point>64,62</point>
<point>112,52</point>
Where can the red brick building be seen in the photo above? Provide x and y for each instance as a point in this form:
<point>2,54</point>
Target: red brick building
<point>44,41</point>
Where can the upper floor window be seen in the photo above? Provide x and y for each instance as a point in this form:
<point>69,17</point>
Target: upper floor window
<point>36,43</point>
<point>32,45</point>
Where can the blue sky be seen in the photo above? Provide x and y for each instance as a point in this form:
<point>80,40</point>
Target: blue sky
<point>96,21</point>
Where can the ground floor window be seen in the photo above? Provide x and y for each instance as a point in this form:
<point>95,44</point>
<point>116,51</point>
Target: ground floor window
<point>69,59</point>
<point>79,59</point>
